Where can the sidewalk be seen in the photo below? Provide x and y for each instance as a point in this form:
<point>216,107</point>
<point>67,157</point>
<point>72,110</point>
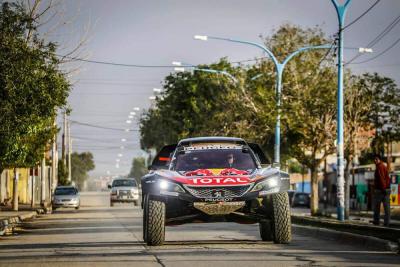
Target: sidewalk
<point>10,219</point>
<point>358,228</point>
<point>362,217</point>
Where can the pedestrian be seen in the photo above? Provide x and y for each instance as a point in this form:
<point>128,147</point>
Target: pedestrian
<point>382,191</point>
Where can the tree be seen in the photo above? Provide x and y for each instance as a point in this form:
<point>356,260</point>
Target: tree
<point>358,99</point>
<point>201,104</point>
<point>62,173</point>
<point>384,109</point>
<point>308,100</point>
<point>81,164</point>
<point>31,89</point>
<point>138,169</point>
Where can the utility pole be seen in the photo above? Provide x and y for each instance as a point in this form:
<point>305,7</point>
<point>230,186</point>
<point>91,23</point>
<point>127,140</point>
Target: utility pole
<point>69,152</point>
<point>15,190</point>
<point>53,182</point>
<point>43,180</point>
<point>64,141</point>
<point>33,187</point>
<point>341,13</point>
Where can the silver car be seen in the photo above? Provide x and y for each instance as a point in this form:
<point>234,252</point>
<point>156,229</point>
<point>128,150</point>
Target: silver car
<point>124,190</point>
<point>66,197</point>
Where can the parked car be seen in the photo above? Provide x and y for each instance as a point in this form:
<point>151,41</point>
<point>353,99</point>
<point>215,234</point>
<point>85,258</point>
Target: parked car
<point>215,179</point>
<point>124,190</point>
<point>301,199</point>
<point>66,197</point>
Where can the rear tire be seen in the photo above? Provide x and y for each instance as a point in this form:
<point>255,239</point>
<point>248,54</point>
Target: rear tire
<point>154,221</point>
<point>281,221</point>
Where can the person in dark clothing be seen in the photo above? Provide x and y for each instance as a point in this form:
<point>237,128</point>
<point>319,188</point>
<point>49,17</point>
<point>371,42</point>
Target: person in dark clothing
<point>382,191</point>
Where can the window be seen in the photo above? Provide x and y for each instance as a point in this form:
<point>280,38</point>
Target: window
<point>66,191</point>
<point>125,182</point>
<point>190,160</point>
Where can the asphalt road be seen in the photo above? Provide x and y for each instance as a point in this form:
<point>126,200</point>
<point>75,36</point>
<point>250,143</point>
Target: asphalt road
<point>97,235</point>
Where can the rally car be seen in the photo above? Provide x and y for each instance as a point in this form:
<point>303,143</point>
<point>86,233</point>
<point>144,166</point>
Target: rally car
<point>215,179</point>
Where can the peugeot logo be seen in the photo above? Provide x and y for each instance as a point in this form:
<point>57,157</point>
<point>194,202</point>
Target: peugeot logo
<point>217,193</point>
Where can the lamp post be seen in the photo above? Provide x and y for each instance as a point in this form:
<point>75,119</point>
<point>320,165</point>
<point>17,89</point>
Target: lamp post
<point>341,13</point>
<point>279,67</point>
<point>181,67</point>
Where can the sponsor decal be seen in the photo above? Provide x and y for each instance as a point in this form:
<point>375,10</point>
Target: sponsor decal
<point>218,181</point>
<point>212,146</point>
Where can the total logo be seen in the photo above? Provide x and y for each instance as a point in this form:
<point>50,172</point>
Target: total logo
<point>220,181</point>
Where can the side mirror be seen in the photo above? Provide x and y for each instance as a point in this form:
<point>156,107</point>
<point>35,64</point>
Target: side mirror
<point>109,186</point>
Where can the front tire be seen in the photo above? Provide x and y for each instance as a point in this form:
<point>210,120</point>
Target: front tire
<point>154,222</point>
<point>281,221</point>
<point>111,204</point>
<point>266,232</point>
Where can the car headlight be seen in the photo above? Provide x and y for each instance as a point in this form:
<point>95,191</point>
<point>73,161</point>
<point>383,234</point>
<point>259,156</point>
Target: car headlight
<point>170,187</point>
<point>267,184</point>
<point>134,191</point>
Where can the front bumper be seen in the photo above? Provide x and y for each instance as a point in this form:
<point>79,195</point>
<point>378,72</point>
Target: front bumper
<point>66,204</point>
<point>124,198</point>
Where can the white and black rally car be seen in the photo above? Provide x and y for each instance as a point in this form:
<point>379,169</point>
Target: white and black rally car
<point>215,179</point>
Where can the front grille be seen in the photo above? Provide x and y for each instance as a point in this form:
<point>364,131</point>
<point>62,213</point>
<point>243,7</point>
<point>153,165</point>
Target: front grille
<point>127,193</point>
<point>218,192</point>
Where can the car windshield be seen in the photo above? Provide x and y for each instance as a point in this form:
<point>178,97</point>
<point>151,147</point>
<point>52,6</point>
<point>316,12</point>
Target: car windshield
<point>66,191</point>
<point>125,182</point>
<point>191,160</point>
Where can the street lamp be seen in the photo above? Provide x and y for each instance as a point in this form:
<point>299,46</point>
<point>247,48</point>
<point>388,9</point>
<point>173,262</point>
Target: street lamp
<point>341,13</point>
<point>181,68</point>
<point>279,72</point>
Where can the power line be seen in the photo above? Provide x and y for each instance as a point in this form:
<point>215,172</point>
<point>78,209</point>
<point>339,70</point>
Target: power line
<point>380,54</point>
<point>116,64</point>
<point>379,37</point>
<point>102,127</point>
<point>362,15</point>
<point>385,31</point>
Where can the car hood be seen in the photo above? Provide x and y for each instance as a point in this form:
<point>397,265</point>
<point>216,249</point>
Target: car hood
<point>125,188</point>
<point>214,177</point>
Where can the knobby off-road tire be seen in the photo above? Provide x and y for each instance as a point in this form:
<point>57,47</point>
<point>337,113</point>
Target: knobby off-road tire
<point>154,222</point>
<point>281,223</point>
<point>266,232</point>
<point>144,206</point>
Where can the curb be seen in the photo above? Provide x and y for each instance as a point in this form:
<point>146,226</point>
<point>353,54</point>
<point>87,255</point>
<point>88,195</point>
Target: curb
<point>384,233</point>
<point>369,242</point>
<point>7,225</point>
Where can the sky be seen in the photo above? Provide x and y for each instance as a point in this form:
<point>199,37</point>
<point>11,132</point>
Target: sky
<point>157,32</point>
